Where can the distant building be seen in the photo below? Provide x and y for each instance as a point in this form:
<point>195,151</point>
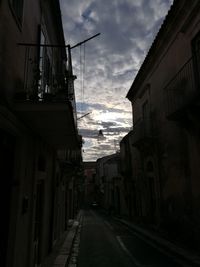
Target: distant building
<point>165,100</point>
<point>110,184</point>
<point>89,182</point>
<point>40,149</point>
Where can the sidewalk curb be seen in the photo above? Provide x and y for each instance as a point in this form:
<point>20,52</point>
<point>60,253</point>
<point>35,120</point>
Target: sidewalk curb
<point>62,259</point>
<point>167,245</point>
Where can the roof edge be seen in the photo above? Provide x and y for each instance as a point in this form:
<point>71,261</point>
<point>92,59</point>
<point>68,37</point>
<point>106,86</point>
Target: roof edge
<point>170,18</point>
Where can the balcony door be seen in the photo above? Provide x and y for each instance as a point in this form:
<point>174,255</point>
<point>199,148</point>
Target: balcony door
<point>38,227</point>
<point>44,65</point>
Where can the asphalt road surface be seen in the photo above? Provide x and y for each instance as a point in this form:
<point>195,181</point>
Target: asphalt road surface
<point>104,242</point>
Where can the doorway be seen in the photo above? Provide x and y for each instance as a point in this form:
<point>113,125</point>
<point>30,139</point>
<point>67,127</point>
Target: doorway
<point>38,222</point>
<point>7,156</point>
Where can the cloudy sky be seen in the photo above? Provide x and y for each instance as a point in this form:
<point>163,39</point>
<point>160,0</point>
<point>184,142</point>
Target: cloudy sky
<point>107,65</point>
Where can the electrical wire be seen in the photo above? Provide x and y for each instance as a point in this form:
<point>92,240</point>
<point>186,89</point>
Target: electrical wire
<point>81,107</point>
<point>83,72</point>
<point>82,75</point>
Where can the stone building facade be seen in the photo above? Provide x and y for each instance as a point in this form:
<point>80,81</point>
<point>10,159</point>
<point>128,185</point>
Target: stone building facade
<point>40,149</point>
<point>89,182</point>
<point>165,138</point>
<point>110,184</point>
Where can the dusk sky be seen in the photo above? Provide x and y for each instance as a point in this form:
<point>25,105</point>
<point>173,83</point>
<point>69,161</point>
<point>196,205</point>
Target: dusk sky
<point>107,65</point>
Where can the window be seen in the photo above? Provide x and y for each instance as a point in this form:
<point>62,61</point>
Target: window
<point>196,57</point>
<point>145,116</point>
<point>17,7</point>
<point>45,65</point>
<point>145,110</point>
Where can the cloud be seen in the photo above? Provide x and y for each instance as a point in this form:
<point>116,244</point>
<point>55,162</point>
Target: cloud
<point>107,65</point>
<point>89,106</point>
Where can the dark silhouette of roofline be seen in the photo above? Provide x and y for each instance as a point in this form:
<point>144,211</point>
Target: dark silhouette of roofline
<point>171,19</point>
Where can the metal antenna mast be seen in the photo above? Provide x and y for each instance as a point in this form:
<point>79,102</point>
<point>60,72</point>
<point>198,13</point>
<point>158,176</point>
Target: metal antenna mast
<point>70,59</point>
<point>84,41</point>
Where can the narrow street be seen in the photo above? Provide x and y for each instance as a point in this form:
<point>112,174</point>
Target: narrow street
<point>105,242</point>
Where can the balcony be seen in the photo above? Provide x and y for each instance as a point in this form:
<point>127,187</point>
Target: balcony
<point>181,93</point>
<point>70,158</point>
<point>46,101</point>
<point>142,134</point>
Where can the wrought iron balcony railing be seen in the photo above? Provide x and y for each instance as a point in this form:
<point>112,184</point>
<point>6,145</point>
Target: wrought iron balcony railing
<point>46,101</point>
<point>46,76</point>
<point>181,90</point>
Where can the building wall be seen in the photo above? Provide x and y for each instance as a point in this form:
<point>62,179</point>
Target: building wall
<point>171,152</point>
<point>111,185</point>
<point>37,182</point>
<point>89,182</point>
<point>23,197</point>
<point>14,33</point>
<point>130,169</point>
